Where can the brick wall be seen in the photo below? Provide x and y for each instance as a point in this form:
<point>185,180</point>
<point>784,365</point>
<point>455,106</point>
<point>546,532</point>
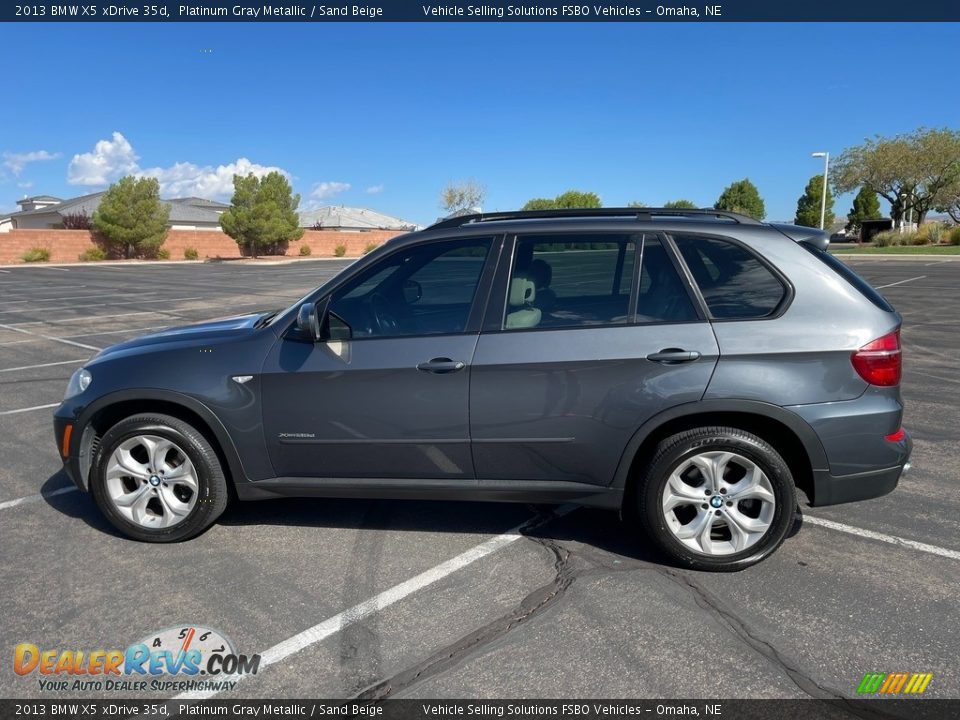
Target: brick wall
<point>66,245</point>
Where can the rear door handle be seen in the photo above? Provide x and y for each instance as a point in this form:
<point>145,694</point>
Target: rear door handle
<point>441,365</point>
<point>671,356</point>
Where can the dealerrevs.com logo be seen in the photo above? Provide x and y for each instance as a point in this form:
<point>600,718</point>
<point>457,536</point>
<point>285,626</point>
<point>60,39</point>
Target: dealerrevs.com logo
<point>179,659</point>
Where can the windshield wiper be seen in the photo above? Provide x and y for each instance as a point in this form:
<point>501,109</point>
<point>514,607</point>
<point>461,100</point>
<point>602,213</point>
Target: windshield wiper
<point>265,319</point>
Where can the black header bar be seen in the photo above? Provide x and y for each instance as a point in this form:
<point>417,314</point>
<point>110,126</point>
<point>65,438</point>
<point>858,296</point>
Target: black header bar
<point>489,11</point>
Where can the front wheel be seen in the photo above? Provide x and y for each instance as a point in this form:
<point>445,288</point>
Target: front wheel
<point>156,478</point>
<point>717,498</point>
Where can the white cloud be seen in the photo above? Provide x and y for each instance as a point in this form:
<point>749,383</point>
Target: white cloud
<point>109,161</point>
<point>327,189</point>
<point>185,179</point>
<point>25,184</point>
<point>374,189</point>
<point>16,162</point>
<point>114,158</point>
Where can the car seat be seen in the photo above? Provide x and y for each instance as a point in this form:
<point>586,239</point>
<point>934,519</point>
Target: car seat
<point>522,314</point>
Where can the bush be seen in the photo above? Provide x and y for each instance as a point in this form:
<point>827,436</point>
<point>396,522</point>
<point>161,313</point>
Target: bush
<point>93,254</point>
<point>887,238</point>
<point>932,232</point>
<point>340,250</point>
<point>163,254</point>
<point>191,253</point>
<point>36,254</point>
<point>369,248</point>
<point>305,250</point>
<point>954,236</point>
<point>915,238</point>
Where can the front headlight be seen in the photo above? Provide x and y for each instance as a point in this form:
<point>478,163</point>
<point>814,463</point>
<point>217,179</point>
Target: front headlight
<point>79,382</point>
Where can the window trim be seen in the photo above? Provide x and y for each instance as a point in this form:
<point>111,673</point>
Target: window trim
<point>481,295</point>
<point>778,310</point>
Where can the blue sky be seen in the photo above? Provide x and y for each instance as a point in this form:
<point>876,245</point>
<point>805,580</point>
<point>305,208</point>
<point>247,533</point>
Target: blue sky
<point>383,115</point>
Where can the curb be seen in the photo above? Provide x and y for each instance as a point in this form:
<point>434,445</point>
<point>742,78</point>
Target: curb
<point>208,261</point>
<point>912,257</point>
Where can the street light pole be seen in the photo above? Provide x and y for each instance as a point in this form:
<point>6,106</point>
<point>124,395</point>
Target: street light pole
<point>823,198</point>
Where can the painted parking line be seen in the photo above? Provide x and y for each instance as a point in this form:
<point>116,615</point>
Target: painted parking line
<point>28,409</point>
<point>890,539</point>
<point>50,337</point>
<point>901,282</point>
<point>110,304</point>
<point>342,620</point>
<point>114,332</point>
<point>43,365</point>
<point>35,498</point>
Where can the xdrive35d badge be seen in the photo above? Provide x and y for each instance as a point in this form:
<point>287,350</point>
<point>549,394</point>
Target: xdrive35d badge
<point>690,369</point>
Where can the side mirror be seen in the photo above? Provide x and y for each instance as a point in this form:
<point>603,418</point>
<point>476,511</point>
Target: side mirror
<point>308,321</point>
<point>412,291</point>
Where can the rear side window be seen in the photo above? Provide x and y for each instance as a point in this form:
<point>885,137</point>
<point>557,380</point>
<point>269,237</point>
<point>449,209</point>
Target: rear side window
<point>735,284</point>
<point>570,281</point>
<point>850,276</point>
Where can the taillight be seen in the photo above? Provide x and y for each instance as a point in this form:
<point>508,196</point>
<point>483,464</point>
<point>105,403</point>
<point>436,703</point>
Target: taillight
<point>879,362</point>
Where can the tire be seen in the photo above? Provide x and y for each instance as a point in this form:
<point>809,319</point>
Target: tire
<point>157,479</point>
<point>744,517</point>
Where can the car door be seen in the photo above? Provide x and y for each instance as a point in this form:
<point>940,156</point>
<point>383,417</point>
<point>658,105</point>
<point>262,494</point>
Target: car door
<point>386,396</point>
<point>594,334</point>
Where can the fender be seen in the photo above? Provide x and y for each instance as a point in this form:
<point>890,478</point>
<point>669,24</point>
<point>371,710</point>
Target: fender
<point>223,438</point>
<point>808,438</point>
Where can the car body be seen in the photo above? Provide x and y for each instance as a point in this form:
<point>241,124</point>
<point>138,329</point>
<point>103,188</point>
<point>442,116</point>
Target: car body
<point>535,357</point>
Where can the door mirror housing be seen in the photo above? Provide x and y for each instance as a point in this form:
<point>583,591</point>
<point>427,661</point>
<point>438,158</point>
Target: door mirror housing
<point>412,291</point>
<point>308,321</point>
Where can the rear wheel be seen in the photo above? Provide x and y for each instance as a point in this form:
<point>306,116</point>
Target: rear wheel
<point>716,498</point>
<point>157,479</point>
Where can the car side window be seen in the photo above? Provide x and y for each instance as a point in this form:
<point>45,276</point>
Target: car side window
<point>733,281</point>
<point>569,280</point>
<point>426,289</point>
<point>663,296</point>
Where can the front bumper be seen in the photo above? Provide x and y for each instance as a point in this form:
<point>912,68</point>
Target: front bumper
<point>69,439</point>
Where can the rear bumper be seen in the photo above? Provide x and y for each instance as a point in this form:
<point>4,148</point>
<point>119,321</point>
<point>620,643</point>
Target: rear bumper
<point>833,490</point>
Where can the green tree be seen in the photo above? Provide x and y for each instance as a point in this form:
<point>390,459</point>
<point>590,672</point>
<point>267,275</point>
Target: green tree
<point>575,199</point>
<point>808,205</point>
<point>866,206</point>
<point>742,197</point>
<point>130,220</point>
<point>569,200</point>
<point>540,204</point>
<point>916,171</point>
<point>461,195</point>
<point>637,204</point>
<point>680,205</point>
<point>262,217</point>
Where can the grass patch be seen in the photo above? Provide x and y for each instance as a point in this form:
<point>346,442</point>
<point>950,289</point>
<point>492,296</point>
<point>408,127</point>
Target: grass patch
<point>898,250</point>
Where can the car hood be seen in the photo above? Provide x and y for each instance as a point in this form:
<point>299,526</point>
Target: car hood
<point>199,333</point>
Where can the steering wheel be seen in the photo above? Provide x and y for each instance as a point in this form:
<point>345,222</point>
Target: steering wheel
<point>384,318</point>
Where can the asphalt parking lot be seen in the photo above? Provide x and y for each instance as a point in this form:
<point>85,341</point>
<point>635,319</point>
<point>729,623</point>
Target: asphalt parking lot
<point>440,599</point>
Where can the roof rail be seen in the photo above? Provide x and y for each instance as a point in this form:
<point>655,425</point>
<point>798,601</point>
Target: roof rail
<point>642,214</point>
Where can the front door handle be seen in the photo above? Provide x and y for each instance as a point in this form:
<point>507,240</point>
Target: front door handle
<point>672,356</point>
<point>441,365</point>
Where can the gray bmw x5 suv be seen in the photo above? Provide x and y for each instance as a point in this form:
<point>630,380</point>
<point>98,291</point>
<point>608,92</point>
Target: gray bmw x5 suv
<point>690,369</point>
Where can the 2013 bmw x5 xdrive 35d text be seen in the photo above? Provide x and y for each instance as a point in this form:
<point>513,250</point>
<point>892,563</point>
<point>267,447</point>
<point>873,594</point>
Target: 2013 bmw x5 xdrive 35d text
<point>689,368</point>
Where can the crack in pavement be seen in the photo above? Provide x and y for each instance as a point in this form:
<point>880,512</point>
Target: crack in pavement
<point>455,653</point>
<point>538,600</point>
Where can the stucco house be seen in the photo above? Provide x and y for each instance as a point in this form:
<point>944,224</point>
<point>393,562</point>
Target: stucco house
<point>43,212</point>
<point>351,219</point>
